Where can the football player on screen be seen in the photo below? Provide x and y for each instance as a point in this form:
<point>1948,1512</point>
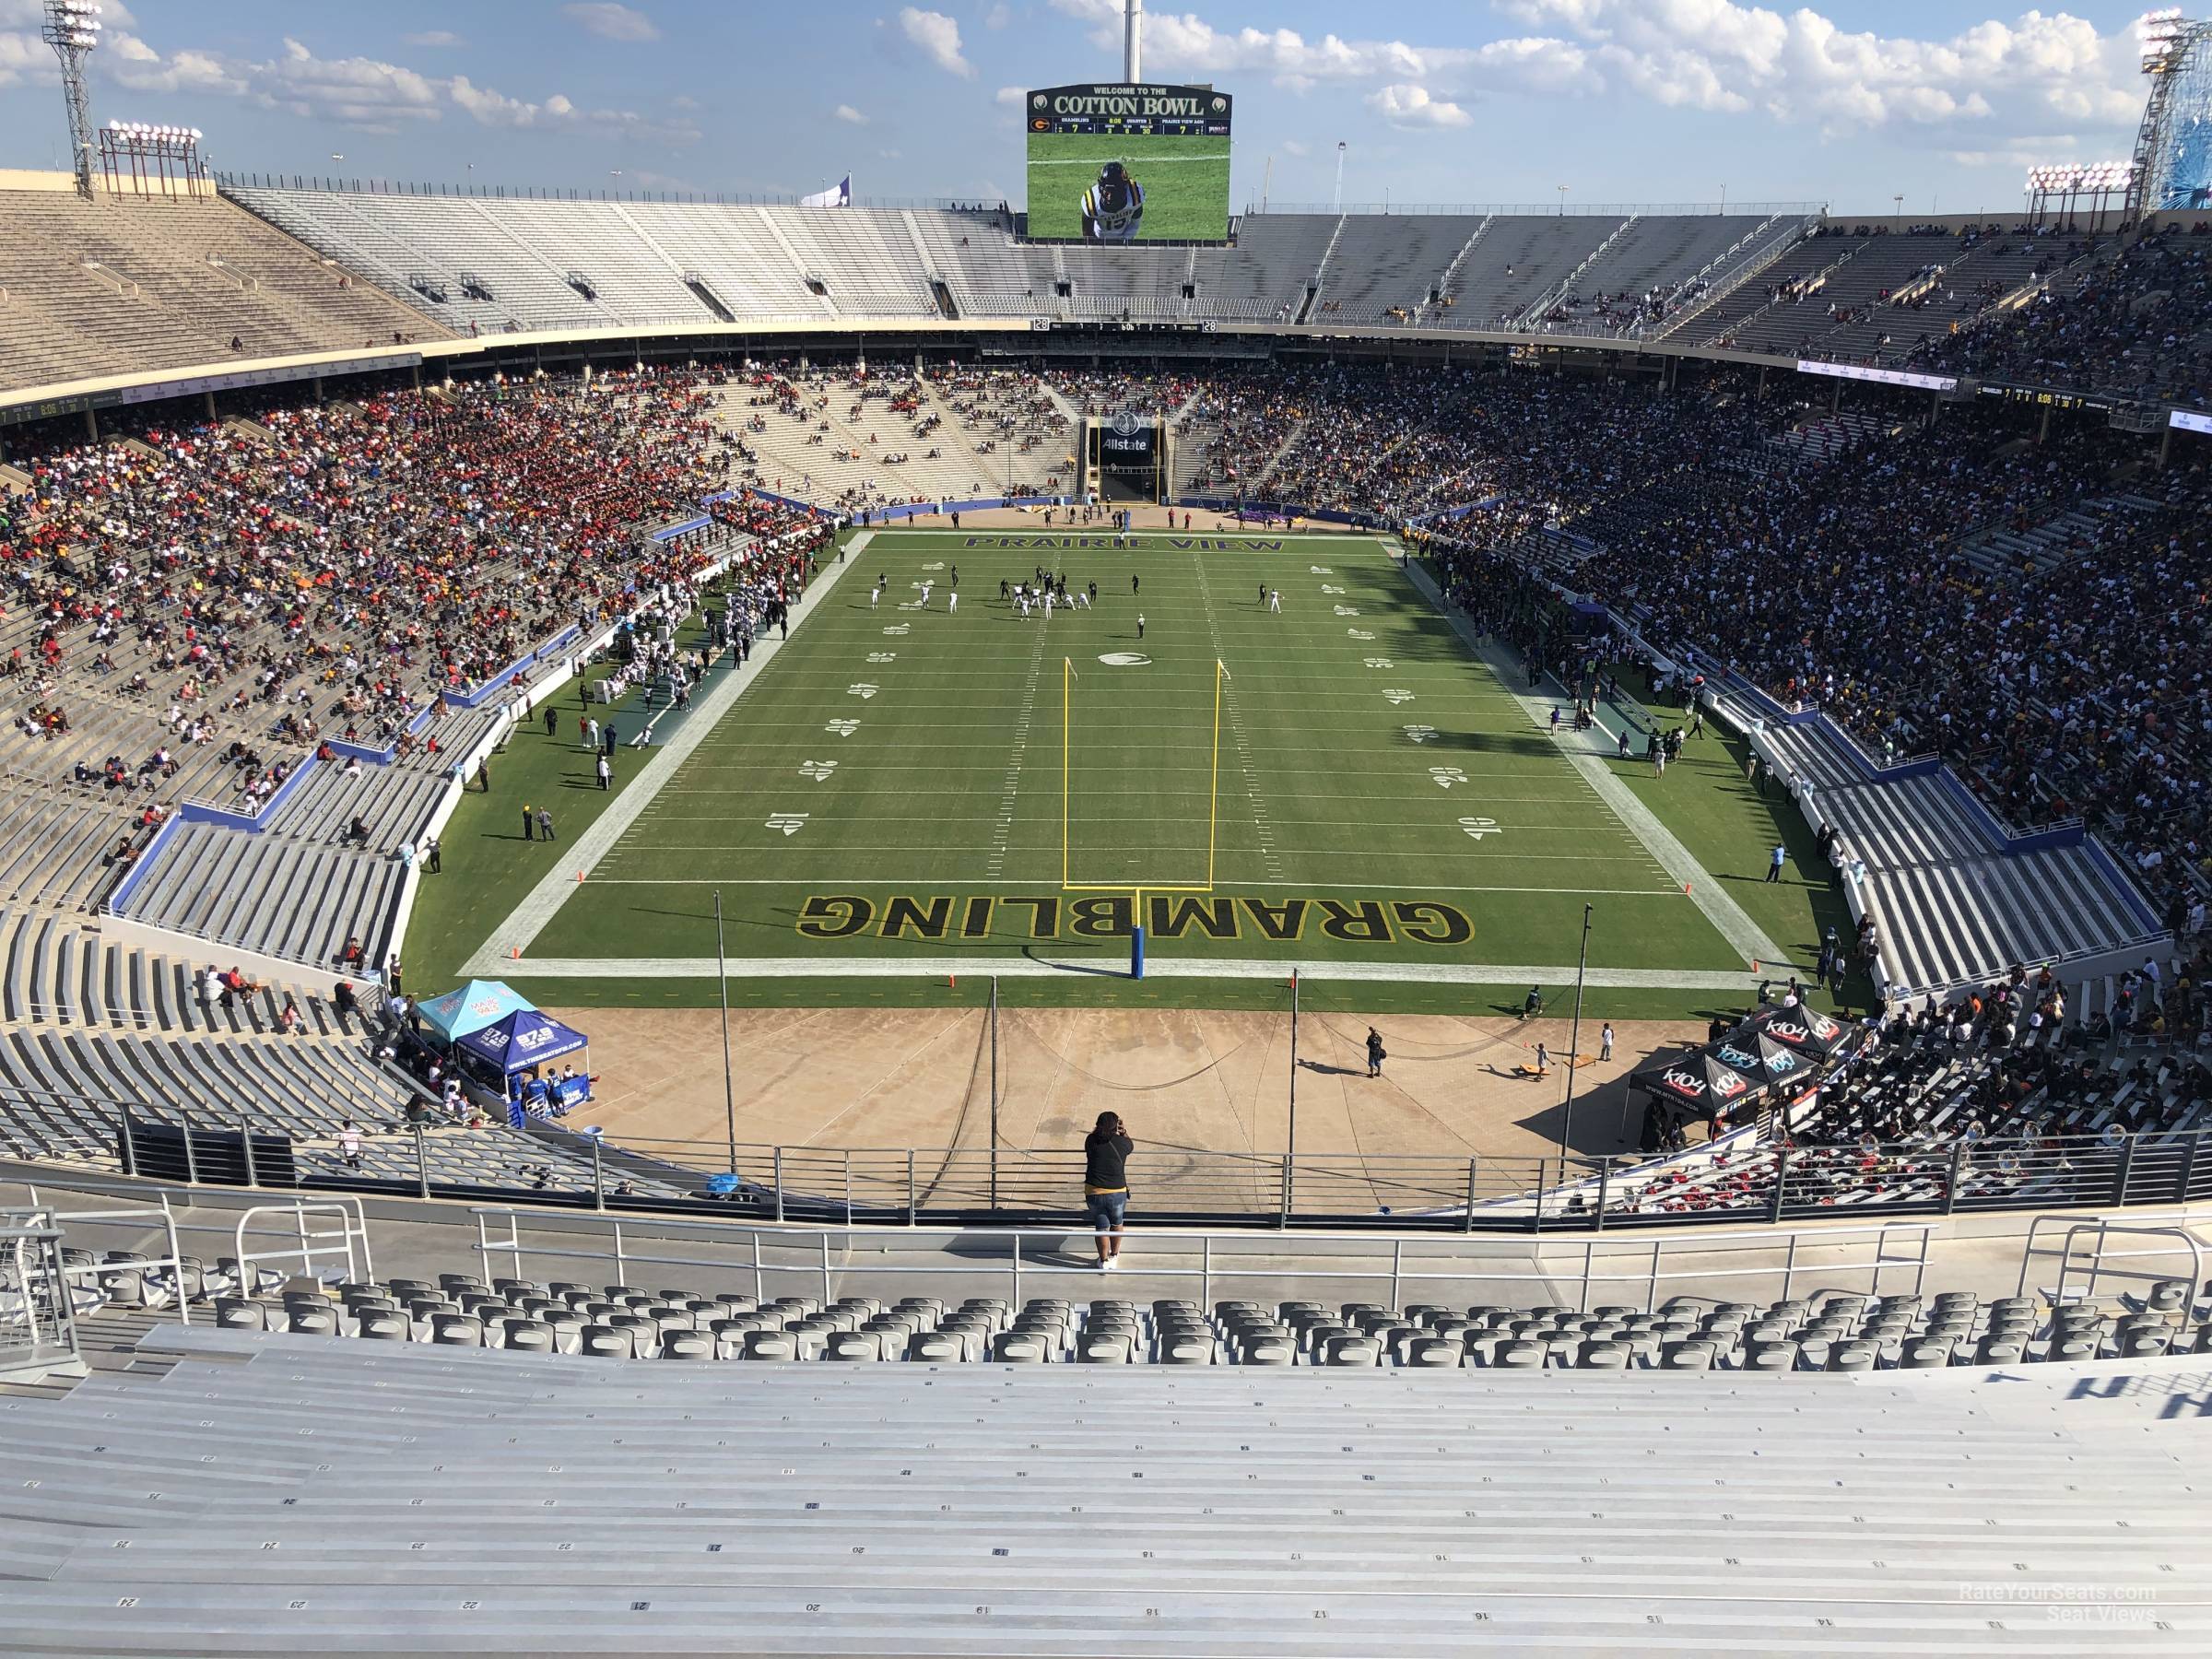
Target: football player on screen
<point>1113,208</point>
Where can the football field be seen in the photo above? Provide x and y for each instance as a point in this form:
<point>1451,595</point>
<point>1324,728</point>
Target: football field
<point>1186,181</point>
<point>1343,780</point>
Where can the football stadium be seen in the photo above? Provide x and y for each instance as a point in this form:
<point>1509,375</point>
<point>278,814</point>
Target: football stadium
<point>770,921</point>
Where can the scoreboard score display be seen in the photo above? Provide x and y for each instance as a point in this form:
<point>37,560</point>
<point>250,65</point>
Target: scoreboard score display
<point>1128,164</point>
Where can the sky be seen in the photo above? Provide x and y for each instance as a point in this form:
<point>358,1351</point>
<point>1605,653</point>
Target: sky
<point>1945,103</point>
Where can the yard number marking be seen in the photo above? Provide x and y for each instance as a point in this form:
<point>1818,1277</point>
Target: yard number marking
<point>1398,694</point>
<point>1421,733</point>
<point>791,823</point>
<point>819,770</point>
<point>1380,662</point>
<point>1446,776</point>
<point>862,690</point>
<point>844,728</point>
<point>1476,827</point>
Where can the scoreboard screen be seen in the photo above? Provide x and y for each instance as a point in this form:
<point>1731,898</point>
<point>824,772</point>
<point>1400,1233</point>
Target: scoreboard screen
<point>1128,164</point>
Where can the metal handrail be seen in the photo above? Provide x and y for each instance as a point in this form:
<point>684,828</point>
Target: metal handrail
<point>830,1252</point>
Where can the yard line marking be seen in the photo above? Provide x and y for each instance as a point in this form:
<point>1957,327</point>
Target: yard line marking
<point>1269,858</point>
<point>1003,831</point>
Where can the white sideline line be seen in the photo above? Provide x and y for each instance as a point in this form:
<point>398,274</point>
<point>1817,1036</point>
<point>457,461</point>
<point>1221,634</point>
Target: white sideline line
<point>1729,918</point>
<point>542,902</point>
<point>1105,965</point>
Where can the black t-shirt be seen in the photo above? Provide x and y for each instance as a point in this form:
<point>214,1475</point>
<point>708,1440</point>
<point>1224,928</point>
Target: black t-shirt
<point>1105,1161</point>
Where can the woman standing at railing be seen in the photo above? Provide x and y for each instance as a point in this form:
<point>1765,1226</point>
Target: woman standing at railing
<point>1106,1184</point>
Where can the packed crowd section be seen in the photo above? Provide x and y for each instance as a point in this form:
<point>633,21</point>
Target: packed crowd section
<point>253,589</point>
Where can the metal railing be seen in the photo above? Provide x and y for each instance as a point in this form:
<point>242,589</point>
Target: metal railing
<point>521,1240</point>
<point>1173,1186</point>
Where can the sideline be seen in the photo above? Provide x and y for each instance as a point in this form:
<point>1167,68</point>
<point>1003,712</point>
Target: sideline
<point>1729,918</point>
<point>528,918</point>
<point>1106,965</point>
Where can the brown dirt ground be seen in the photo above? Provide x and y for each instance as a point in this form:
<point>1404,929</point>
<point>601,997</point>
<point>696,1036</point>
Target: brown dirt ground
<point>849,1077</point>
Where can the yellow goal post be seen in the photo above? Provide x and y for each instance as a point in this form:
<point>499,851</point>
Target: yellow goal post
<point>1068,677</point>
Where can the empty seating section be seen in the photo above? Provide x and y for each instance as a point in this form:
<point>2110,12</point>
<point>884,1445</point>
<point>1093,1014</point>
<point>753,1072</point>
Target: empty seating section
<point>1635,277</point>
<point>745,268</point>
<point>1518,260</point>
<point>1265,276</point>
<point>273,895</point>
<point>1849,1332</point>
<point>121,284</point>
<point>867,262</point>
<point>989,272</point>
<point>1383,270</point>
<point>213,1489</point>
<point>1954,902</point>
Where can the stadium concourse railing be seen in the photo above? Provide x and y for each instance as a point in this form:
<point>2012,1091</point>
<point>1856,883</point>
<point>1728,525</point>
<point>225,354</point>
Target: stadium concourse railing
<point>1169,1185</point>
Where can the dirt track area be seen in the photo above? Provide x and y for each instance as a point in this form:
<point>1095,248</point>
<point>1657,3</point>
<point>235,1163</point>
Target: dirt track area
<point>1211,1081</point>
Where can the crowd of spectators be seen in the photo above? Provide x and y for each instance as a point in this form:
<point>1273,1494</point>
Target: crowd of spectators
<point>328,570</point>
<point>2138,325</point>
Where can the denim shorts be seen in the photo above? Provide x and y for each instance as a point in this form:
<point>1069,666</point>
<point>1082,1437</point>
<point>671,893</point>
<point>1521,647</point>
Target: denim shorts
<point>1106,1209</point>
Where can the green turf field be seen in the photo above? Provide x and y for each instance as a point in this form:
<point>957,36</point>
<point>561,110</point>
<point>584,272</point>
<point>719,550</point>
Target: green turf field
<point>893,785</point>
<point>1186,181</point>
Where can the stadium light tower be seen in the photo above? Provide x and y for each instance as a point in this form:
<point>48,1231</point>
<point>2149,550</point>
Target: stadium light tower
<point>1133,41</point>
<point>72,29</point>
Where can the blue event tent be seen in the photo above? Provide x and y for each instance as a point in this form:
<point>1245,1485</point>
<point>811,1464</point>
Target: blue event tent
<point>470,1007</point>
<point>523,1040</point>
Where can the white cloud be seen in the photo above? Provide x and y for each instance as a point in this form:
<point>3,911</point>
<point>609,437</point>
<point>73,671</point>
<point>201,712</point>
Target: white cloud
<point>889,155</point>
<point>354,91</point>
<point>490,108</point>
<point>434,37</point>
<point>1406,105</point>
<point>938,37</point>
<point>998,17</point>
<point>1292,147</point>
<point>1187,43</point>
<point>611,21</point>
<point>23,56</point>
<point>1010,96</point>
<point>1718,55</point>
<point>846,112</point>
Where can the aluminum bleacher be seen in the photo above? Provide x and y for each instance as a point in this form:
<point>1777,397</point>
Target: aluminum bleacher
<point>239,1489</point>
<point>1955,899</point>
<point>124,283</point>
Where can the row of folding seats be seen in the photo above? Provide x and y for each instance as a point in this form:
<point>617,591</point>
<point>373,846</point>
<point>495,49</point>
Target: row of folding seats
<point>1832,1332</point>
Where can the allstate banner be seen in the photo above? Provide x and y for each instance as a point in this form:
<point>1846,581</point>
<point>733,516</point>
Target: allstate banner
<point>839,195</point>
